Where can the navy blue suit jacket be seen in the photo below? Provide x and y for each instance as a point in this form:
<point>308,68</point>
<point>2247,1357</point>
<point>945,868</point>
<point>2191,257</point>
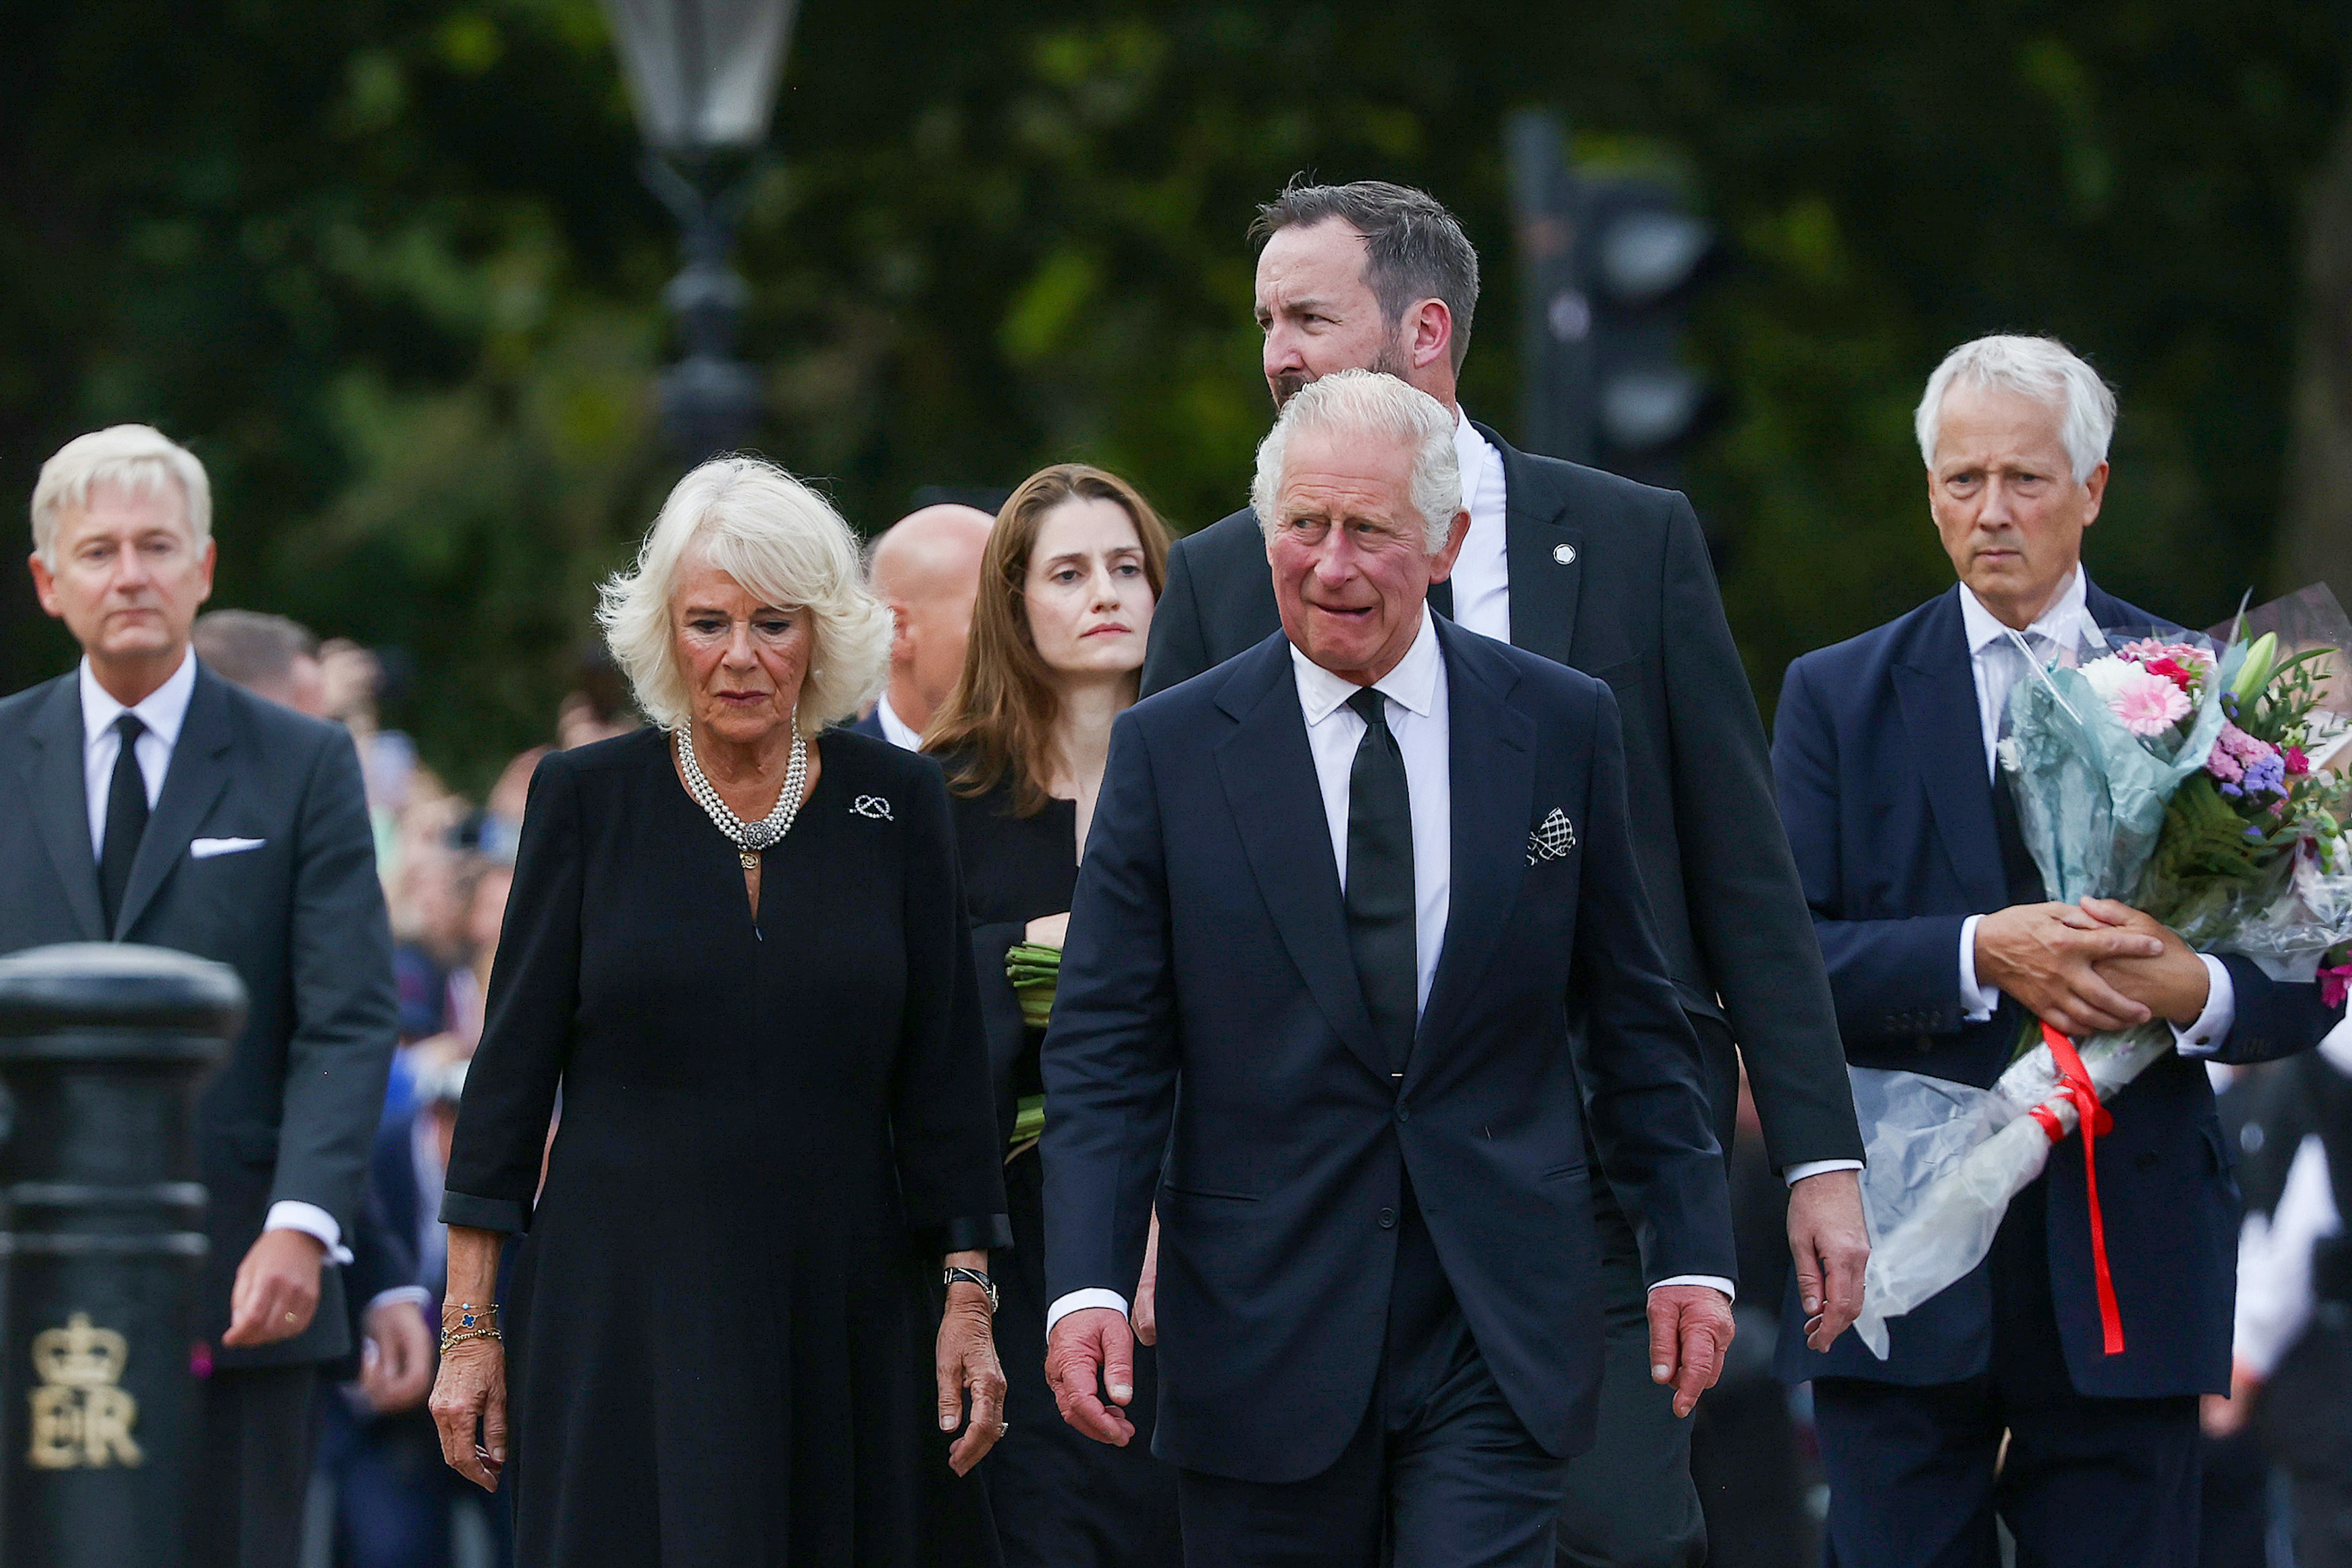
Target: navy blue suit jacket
<point>868,723</point>
<point>1879,755</point>
<point>1211,1051</point>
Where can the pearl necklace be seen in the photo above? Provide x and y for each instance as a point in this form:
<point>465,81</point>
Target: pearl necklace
<point>750,837</point>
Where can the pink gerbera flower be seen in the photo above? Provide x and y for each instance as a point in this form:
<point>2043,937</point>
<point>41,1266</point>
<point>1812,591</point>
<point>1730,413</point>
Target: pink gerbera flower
<point>2147,702</point>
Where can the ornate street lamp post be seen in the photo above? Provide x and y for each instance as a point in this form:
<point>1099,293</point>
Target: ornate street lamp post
<point>702,74</point>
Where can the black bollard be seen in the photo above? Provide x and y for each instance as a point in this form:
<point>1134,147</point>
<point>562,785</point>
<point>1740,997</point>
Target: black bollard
<point>102,1050</point>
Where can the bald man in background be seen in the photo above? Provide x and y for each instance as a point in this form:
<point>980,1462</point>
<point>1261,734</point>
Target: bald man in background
<point>926,567</point>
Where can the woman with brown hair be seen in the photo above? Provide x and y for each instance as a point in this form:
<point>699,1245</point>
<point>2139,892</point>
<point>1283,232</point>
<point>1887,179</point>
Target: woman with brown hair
<point>1073,568</point>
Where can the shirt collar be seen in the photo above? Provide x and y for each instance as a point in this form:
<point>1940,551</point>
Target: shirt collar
<point>1412,684</point>
<point>895,730</point>
<point>2059,623</point>
<point>162,710</point>
<point>1470,452</point>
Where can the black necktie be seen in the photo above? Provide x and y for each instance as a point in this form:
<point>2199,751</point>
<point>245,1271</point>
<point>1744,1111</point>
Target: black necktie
<point>126,820</point>
<point>1379,882</point>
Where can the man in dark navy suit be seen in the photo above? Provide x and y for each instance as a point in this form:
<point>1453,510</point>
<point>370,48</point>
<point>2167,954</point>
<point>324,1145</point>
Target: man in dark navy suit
<point>1612,578</point>
<point>1939,946</point>
<point>925,568</point>
<point>1345,901</point>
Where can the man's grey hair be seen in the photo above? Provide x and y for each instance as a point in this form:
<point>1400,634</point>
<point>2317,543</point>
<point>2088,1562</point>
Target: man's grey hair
<point>2042,369</point>
<point>251,648</point>
<point>1413,248</point>
<point>1376,409</point>
<point>784,544</point>
<point>138,458</point>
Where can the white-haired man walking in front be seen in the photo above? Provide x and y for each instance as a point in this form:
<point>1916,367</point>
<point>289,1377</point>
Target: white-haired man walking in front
<point>1345,899</point>
<point>144,799</point>
<point>2002,1396</point>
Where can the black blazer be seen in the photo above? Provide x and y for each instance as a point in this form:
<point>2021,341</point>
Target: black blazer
<point>1210,1019</point>
<point>1880,758</point>
<point>300,919</point>
<point>1613,578</point>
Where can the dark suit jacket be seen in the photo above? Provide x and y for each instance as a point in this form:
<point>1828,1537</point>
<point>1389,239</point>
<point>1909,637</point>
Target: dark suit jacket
<point>300,919</point>
<point>1880,759</point>
<point>868,723</point>
<point>1635,605</point>
<point>1208,1019</point>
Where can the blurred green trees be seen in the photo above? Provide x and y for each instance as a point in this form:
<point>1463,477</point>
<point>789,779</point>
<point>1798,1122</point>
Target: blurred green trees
<point>388,267</point>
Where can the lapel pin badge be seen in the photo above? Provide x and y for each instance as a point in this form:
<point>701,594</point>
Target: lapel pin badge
<point>1564,553</point>
<point>1553,839</point>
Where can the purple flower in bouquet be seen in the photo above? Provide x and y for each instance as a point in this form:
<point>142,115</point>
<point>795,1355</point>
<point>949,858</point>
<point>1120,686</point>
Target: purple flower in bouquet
<point>2265,775</point>
<point>2235,758</point>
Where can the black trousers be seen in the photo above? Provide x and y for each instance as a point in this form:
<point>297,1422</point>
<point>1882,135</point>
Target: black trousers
<point>1918,1475</point>
<point>256,1433</point>
<point>1630,1502</point>
<point>1439,1474</point>
<point>2305,1417</point>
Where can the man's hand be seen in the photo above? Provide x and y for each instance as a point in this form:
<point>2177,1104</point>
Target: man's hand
<point>2048,956</point>
<point>2224,1414</point>
<point>1831,1247</point>
<point>1690,1328</point>
<point>1091,1353</point>
<point>2174,985</point>
<point>1145,1315</point>
<point>276,1289</point>
<point>396,1362</point>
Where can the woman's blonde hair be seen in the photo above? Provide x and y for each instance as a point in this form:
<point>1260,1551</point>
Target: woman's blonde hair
<point>780,540</point>
<point>1000,721</point>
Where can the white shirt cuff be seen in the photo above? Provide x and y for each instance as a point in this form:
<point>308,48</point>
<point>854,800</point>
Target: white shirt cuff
<point>2211,1029</point>
<point>1796,1173</point>
<point>287,1213</point>
<point>1714,1281</point>
<point>1977,1002</point>
<point>1079,1300</point>
<point>401,1295</point>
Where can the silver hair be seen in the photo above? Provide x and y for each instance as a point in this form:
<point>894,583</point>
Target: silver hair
<point>2041,368</point>
<point>137,458</point>
<point>780,540</point>
<point>1373,407</point>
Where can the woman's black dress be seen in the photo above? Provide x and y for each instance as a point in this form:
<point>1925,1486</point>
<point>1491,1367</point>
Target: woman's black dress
<point>718,1339</point>
<point>1061,1499</point>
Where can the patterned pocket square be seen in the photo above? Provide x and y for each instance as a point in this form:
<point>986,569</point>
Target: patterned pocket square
<point>1553,839</point>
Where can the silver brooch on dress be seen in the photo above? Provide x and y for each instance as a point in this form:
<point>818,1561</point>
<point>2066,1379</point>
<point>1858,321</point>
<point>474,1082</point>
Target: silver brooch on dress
<point>1553,839</point>
<point>872,807</point>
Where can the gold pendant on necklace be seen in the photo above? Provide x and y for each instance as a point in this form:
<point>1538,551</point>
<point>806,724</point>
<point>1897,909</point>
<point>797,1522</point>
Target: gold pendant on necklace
<point>750,859</point>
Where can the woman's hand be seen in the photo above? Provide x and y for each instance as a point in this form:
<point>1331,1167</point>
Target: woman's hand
<point>967,1361</point>
<point>1145,1317</point>
<point>1048,930</point>
<point>471,1394</point>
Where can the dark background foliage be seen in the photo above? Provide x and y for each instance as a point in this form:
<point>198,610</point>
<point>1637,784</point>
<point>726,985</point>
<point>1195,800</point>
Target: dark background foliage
<point>388,267</point>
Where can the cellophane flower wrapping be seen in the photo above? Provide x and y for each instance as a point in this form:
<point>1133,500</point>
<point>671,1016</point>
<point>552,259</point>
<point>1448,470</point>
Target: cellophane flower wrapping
<point>2122,793</point>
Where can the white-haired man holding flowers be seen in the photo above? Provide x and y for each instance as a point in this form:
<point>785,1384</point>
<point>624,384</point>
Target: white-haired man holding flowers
<point>1940,945</point>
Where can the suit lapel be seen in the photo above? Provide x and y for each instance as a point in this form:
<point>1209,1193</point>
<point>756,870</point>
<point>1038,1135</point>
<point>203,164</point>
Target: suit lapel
<point>1491,757</point>
<point>58,790</point>
<point>1538,531</point>
<point>198,773</point>
<point>1270,782</point>
<point>1937,690</point>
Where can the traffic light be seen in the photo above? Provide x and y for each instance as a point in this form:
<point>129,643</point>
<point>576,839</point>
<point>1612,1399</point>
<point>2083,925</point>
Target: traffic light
<point>1609,265</point>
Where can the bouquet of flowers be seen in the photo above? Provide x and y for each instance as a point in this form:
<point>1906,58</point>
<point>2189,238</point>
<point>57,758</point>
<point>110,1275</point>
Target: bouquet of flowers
<point>1035,972</point>
<point>2192,783</point>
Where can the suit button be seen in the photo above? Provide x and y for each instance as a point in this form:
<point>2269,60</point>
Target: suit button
<point>1404,1113</point>
<point>1388,1219</point>
<point>2147,1161</point>
<point>1923,1044</point>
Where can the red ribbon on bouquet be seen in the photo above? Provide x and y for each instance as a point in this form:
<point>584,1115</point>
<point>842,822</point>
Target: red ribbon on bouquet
<point>2074,1083</point>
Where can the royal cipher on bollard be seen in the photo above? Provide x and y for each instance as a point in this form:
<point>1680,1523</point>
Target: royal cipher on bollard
<point>102,1050</point>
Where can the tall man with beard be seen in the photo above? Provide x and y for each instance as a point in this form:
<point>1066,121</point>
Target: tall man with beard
<point>1612,578</point>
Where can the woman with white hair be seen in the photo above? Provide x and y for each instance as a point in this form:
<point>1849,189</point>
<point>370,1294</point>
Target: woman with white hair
<point>740,952</point>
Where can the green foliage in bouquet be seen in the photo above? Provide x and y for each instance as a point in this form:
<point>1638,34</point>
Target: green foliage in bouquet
<point>1034,972</point>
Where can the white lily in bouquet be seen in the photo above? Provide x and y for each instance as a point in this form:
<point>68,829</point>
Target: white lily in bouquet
<point>2191,782</point>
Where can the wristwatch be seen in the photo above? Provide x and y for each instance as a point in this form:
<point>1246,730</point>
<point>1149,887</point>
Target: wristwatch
<point>957,1275</point>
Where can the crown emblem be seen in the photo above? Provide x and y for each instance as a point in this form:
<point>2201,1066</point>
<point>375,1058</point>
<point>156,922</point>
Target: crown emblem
<point>81,1420</point>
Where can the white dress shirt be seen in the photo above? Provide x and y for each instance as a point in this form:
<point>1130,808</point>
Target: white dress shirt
<point>1481,572</point>
<point>1416,710</point>
<point>1993,660</point>
<point>163,711</point>
<point>895,730</point>
<point>2274,1298</point>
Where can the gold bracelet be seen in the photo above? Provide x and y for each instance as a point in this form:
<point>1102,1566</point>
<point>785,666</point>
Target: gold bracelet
<point>454,1337</point>
<point>468,1314</point>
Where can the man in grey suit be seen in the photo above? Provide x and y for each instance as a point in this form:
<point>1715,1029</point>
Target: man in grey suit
<point>144,799</point>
